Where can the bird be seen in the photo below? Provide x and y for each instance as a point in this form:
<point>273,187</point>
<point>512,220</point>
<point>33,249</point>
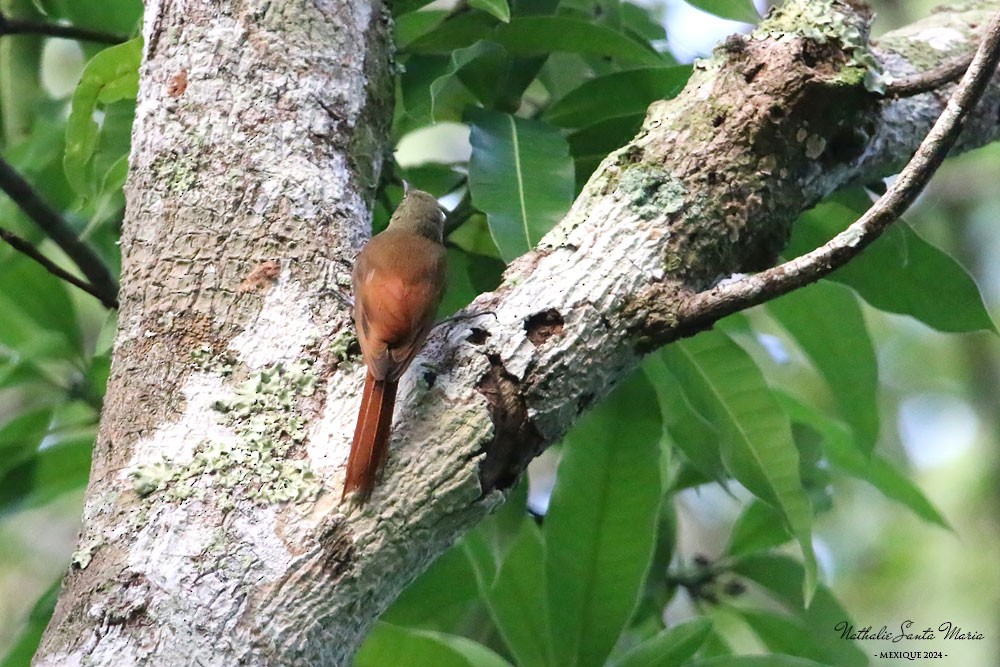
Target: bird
<point>398,281</point>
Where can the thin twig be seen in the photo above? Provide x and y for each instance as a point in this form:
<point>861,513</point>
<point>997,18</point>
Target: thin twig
<point>932,79</point>
<point>22,27</point>
<point>49,220</point>
<point>25,248</point>
<point>706,307</point>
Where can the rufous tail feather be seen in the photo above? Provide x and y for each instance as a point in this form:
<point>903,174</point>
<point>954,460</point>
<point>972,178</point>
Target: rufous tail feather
<point>371,437</point>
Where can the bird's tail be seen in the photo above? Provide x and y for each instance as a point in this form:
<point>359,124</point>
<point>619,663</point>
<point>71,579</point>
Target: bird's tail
<point>371,437</point>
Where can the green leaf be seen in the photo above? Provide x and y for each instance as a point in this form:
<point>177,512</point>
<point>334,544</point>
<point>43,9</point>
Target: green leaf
<point>562,72</point>
<point>20,94</point>
<point>517,603</point>
<point>393,645</point>
<point>537,7</point>
<point>439,598</point>
<point>782,576</point>
<point>900,272</point>
<point>433,177</point>
<point>734,10</point>
<point>624,93</point>
<point>487,545</point>
<point>459,291</point>
<point>20,437</point>
<point>432,35</point>
<point>886,478</point>
<point>415,105</point>
<point>97,376</point>
<point>758,528</point>
<point>118,16</point>
<point>406,6</point>
<point>46,474</point>
<point>640,22</point>
<point>537,36</point>
<point>469,275</point>
<point>39,319</point>
<point>693,434</point>
<point>479,69</point>
<point>670,648</point>
<point>521,176</point>
<point>601,524</point>
<point>117,171</point>
<point>603,12</point>
<point>504,527</point>
<point>474,236</point>
<point>715,645</point>
<point>593,143</point>
<point>16,370</point>
<point>843,454</point>
<point>474,653</point>
<point>723,383</point>
<point>755,661</point>
<point>109,162</point>
<point>27,644</point>
<point>39,161</point>
<point>110,76</point>
<point>497,8</point>
<point>414,25</point>
<point>483,559</point>
<point>786,635</point>
<point>826,322</point>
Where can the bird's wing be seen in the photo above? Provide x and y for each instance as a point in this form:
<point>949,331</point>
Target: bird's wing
<point>394,308</point>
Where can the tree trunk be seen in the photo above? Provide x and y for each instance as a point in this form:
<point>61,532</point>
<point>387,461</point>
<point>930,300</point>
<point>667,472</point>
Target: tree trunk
<point>213,533</point>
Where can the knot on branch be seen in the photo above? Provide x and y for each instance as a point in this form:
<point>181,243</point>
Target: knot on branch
<point>652,316</point>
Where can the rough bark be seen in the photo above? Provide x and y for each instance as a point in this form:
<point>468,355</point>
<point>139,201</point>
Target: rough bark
<point>212,531</point>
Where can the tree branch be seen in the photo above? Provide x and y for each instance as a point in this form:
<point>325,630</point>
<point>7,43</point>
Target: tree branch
<point>49,220</point>
<point>25,248</point>
<point>737,295</point>
<point>22,27</point>
<point>932,79</point>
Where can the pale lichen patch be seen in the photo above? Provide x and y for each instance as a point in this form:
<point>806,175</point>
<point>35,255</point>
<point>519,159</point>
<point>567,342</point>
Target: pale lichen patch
<point>262,422</point>
<point>340,345</point>
<point>825,22</point>
<point>652,192</point>
<point>83,555</point>
<point>283,328</point>
<point>176,441</point>
<point>815,145</point>
<point>942,38</point>
<point>817,21</point>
